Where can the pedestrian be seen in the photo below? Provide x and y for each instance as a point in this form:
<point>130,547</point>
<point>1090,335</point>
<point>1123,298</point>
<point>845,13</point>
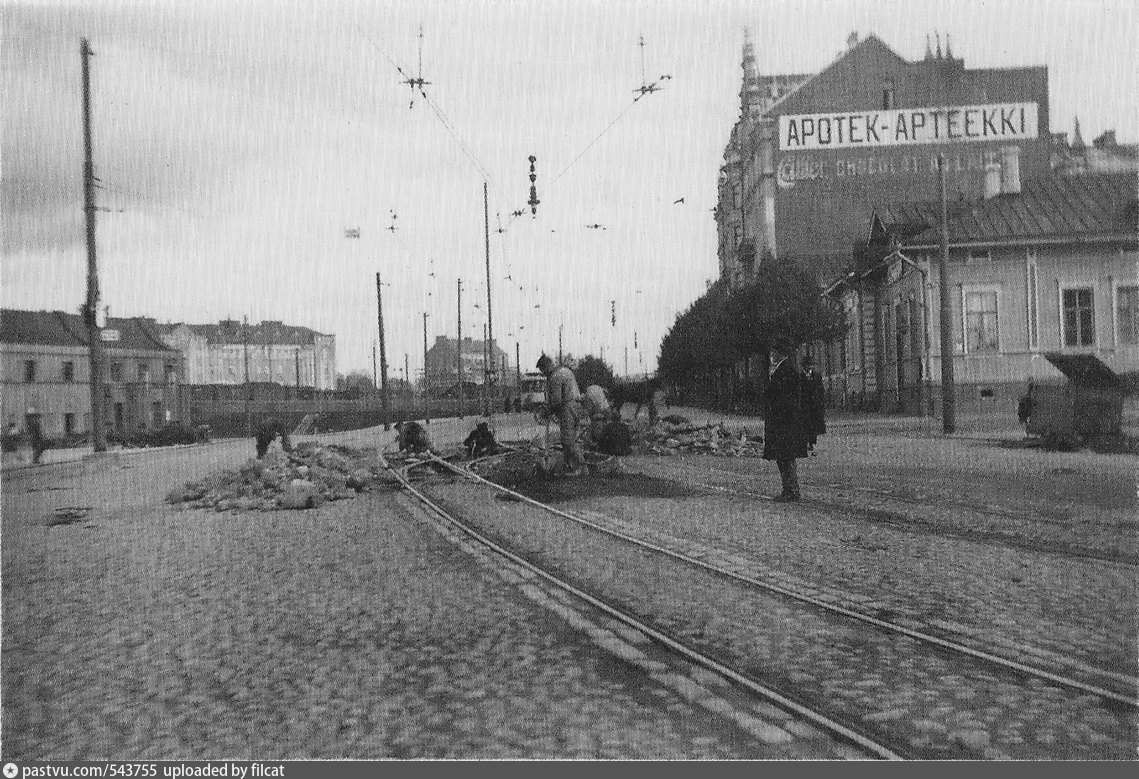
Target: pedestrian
<point>814,402</point>
<point>784,428</point>
<point>268,431</point>
<point>563,399</point>
<point>35,435</point>
<point>412,438</point>
<point>1024,406</point>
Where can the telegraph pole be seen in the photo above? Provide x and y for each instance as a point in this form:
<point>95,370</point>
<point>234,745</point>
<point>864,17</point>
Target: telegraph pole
<point>948,389</point>
<point>518,366</point>
<point>375,371</point>
<point>245,352</point>
<point>559,344</point>
<point>459,347</point>
<point>384,404</point>
<point>489,317</point>
<point>485,374</point>
<point>94,334</point>
<point>425,382</point>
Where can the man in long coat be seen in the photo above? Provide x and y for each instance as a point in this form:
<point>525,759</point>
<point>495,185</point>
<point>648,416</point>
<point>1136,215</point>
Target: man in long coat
<point>784,427</point>
<point>564,400</point>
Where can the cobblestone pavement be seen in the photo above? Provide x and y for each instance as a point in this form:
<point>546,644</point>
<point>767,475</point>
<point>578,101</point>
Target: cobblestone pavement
<point>354,630</point>
<point>940,704</point>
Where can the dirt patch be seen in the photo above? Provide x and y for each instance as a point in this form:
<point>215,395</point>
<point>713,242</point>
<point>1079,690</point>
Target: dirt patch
<point>522,472</point>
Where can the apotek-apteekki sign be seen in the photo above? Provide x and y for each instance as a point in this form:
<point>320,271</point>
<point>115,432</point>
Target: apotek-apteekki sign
<point>861,129</point>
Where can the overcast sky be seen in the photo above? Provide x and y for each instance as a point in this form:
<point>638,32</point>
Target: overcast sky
<point>236,141</point>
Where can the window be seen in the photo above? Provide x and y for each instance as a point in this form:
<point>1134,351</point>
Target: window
<point>1127,314</point>
<point>68,423</point>
<point>116,371</point>
<point>144,373</point>
<point>979,255</point>
<point>29,370</point>
<point>168,374</point>
<point>69,371</point>
<point>1078,320</point>
<point>981,321</point>
<point>888,95</point>
<point>1032,297</point>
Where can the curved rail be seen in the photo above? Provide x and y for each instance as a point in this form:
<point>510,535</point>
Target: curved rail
<point>830,725</point>
<point>953,646</point>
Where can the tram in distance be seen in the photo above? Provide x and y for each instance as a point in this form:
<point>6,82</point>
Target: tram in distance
<point>533,390</point>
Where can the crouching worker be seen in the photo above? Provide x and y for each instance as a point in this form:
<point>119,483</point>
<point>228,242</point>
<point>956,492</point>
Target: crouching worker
<point>481,441</point>
<point>413,438</point>
<point>268,431</point>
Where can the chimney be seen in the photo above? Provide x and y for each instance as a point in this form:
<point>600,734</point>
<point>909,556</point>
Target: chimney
<point>1010,170</point>
<point>992,180</point>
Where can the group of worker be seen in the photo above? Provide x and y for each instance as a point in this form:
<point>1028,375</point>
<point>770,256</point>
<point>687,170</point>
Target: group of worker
<point>793,421</point>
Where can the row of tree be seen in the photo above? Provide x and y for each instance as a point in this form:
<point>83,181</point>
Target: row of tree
<point>701,354</point>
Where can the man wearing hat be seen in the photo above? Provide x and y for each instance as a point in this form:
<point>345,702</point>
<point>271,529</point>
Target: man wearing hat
<point>564,400</point>
<point>784,426</point>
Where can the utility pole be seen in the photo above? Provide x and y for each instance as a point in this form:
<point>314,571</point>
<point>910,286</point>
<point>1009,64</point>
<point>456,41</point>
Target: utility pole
<point>518,365</point>
<point>489,317</point>
<point>425,382</point>
<point>948,390</point>
<point>459,347</point>
<point>297,358</point>
<point>485,374</point>
<point>626,361</point>
<point>384,400</point>
<point>245,351</point>
<point>90,318</point>
<point>375,372</point>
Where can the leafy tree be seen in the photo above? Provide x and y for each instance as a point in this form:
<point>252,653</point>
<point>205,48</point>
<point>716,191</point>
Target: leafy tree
<point>593,370</point>
<point>357,380</point>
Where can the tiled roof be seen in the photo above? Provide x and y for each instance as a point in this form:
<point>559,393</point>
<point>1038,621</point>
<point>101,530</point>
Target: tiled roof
<point>1051,207</point>
<point>59,328</point>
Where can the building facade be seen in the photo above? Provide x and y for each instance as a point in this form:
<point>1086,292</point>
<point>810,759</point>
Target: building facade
<point>275,352</point>
<point>46,371</point>
<point>441,368</point>
<point>810,155</point>
<point>1050,267</point>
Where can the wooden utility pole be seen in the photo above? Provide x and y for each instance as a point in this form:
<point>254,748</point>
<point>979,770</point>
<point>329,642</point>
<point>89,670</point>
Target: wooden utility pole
<point>489,316</point>
<point>948,390</point>
<point>90,318</point>
<point>384,400</point>
<point>485,375</point>
<point>518,366</point>
<point>459,347</point>
<point>559,344</point>
<point>375,371</point>
<point>425,382</point>
<point>245,352</point>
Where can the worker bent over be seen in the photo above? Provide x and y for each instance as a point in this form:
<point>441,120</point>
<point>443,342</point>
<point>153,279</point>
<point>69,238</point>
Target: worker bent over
<point>412,437</point>
<point>267,432</point>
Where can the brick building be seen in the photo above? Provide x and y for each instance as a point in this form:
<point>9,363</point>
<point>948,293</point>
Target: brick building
<point>441,369</point>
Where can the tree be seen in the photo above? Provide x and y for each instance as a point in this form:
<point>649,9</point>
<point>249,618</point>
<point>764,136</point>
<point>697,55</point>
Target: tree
<point>355,380</point>
<point>593,370</point>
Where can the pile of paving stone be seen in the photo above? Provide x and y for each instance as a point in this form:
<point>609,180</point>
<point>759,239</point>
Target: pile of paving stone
<point>669,438</point>
<point>304,478</point>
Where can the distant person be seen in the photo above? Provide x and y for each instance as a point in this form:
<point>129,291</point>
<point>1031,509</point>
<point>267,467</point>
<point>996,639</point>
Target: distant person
<point>481,441</point>
<point>35,435</point>
<point>268,431</point>
<point>564,401</point>
<point>1025,405</point>
<point>412,438</point>
<point>814,403</point>
<point>784,430</point>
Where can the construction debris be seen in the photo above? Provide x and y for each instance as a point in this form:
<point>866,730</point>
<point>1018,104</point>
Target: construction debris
<point>304,478</point>
<point>672,438</point>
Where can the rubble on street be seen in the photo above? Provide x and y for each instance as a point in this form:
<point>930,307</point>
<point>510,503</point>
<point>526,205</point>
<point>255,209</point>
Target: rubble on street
<point>305,478</point>
<point>676,436</point>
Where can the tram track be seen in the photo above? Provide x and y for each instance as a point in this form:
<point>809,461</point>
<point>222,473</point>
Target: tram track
<point>1111,698</point>
<point>896,518</point>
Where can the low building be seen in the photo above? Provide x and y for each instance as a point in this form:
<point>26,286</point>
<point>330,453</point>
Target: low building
<point>1050,268</point>
<point>275,352</point>
<point>46,371</point>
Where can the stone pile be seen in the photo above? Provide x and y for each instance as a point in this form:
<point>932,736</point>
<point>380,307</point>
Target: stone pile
<point>682,437</point>
<point>304,478</point>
